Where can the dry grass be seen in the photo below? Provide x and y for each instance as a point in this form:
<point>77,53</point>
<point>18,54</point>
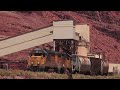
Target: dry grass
<point>20,74</point>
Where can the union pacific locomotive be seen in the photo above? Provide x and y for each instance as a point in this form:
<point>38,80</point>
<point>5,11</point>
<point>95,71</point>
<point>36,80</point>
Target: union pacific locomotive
<point>45,60</point>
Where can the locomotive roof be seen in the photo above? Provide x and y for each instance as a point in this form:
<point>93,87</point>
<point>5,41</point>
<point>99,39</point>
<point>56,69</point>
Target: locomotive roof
<point>55,52</point>
<point>45,51</point>
<point>38,50</point>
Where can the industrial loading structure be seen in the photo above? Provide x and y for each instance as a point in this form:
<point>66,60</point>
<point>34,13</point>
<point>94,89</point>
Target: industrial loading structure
<point>70,41</point>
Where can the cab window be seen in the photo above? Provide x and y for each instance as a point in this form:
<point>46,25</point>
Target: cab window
<point>37,54</point>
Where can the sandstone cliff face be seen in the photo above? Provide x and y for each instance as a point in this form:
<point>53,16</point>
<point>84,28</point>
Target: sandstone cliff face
<point>104,30</point>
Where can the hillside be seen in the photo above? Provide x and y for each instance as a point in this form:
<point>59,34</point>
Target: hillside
<point>104,28</point>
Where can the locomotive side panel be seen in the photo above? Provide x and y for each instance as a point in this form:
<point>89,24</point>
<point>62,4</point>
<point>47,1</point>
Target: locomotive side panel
<point>49,61</point>
<point>44,60</point>
<point>68,63</point>
<point>54,61</point>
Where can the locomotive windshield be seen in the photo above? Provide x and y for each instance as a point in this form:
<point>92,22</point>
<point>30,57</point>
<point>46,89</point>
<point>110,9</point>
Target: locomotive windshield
<point>37,52</point>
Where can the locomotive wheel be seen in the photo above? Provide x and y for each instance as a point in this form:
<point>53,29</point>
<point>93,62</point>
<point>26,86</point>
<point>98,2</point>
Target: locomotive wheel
<point>41,69</point>
<point>31,68</point>
<point>28,68</point>
<point>46,69</point>
<point>56,70</point>
<point>88,73</point>
<point>59,70</point>
<point>69,74</point>
<point>62,70</point>
<point>106,74</point>
<point>92,73</point>
<point>74,72</point>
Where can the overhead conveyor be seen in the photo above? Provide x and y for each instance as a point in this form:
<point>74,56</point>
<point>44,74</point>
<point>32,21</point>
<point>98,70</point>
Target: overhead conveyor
<point>26,41</point>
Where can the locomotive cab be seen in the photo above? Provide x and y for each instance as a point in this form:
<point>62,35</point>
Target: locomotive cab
<point>37,58</point>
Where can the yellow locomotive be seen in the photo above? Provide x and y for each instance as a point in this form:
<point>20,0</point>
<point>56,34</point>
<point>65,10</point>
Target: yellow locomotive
<point>37,59</point>
<point>45,60</point>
